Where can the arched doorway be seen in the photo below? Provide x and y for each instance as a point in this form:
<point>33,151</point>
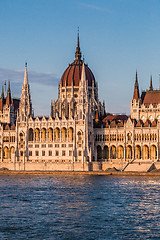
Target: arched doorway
<point>99,153</point>
<point>6,153</point>
<point>105,152</point>
<point>145,152</point>
<point>12,153</point>
<point>138,152</point>
<point>153,152</point>
<point>129,152</point>
<point>113,152</point>
<point>120,152</point>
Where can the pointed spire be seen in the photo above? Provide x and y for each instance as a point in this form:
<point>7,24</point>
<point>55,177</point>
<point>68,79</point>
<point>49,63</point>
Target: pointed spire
<point>151,85</point>
<point>83,74</point>
<point>136,89</point>
<point>2,94</point>
<point>25,82</point>
<point>78,51</point>
<point>8,99</point>
<point>9,90</point>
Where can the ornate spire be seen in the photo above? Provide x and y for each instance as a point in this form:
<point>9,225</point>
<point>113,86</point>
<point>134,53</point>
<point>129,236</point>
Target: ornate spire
<point>83,74</point>
<point>136,89</point>
<point>9,90</point>
<point>78,51</point>
<point>8,99</point>
<point>25,82</point>
<point>2,94</point>
<point>151,85</point>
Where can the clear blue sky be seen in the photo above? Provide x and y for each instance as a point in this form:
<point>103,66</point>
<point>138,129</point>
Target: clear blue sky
<point>116,38</point>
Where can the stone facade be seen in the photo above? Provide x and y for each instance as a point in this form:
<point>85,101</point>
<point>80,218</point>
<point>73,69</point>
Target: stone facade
<point>79,135</point>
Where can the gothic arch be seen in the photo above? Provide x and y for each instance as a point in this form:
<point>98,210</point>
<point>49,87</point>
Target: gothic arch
<point>145,152</point>
<point>30,137</point>
<point>37,135</point>
<point>120,152</point>
<point>79,136</point>
<point>153,152</point>
<point>64,134</point>
<point>12,152</point>
<point>129,152</point>
<point>21,136</point>
<point>113,152</point>
<point>105,152</point>
<point>70,134</point>
<point>57,134</point>
<point>138,152</point>
<point>43,134</point>
<point>6,153</point>
<point>50,134</point>
<point>99,153</point>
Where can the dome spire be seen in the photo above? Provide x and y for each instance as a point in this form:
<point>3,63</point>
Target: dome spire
<point>78,51</point>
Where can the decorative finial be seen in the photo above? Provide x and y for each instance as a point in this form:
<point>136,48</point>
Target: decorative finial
<point>78,51</point>
<point>25,64</point>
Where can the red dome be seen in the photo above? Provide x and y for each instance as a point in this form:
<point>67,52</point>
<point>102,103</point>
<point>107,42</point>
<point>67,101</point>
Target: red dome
<point>73,74</point>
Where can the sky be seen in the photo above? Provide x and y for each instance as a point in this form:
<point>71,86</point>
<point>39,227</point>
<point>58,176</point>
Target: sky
<point>117,37</point>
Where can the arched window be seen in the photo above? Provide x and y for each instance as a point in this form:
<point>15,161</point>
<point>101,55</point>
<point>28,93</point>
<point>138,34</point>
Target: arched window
<point>50,134</point>
<point>64,134</point>
<point>79,136</point>
<point>70,134</point>
<point>57,134</point>
<point>30,134</point>
<point>37,135</point>
<point>43,135</point>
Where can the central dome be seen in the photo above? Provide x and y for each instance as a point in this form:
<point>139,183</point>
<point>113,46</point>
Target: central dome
<point>72,75</point>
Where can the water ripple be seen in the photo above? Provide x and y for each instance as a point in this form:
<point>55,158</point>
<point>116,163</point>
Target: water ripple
<point>79,207</point>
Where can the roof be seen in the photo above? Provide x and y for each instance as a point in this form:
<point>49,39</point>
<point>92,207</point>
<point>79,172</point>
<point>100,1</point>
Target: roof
<point>115,117</point>
<point>73,74</point>
<point>152,97</point>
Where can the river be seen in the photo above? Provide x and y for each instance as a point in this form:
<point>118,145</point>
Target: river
<point>79,207</point>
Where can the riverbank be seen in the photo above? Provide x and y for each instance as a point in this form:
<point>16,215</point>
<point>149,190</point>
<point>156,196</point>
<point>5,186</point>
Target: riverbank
<point>98,173</point>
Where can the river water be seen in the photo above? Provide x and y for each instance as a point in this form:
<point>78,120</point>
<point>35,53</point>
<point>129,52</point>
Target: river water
<point>79,207</point>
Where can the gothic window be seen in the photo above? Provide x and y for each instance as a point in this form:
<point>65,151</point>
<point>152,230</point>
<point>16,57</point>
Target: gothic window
<point>50,153</point>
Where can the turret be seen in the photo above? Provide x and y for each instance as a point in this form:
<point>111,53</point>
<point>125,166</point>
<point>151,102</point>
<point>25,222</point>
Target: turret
<point>25,108</point>
<point>135,103</point>
<point>136,89</point>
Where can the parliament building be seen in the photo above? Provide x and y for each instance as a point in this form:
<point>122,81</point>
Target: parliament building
<point>79,135</point>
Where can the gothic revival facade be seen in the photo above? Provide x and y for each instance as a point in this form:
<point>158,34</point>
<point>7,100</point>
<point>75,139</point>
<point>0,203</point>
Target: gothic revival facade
<point>78,135</point>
